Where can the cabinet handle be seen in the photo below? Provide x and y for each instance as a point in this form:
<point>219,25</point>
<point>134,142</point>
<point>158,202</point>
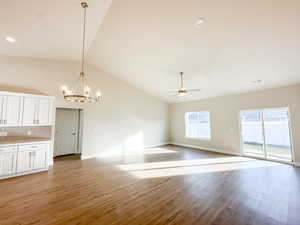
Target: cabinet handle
<point>13,162</point>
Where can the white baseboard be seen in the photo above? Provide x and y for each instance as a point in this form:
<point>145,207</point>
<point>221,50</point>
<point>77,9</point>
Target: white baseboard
<point>297,164</point>
<point>158,145</point>
<point>107,154</point>
<point>206,148</point>
<point>23,173</point>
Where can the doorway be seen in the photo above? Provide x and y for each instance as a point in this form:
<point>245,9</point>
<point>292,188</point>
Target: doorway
<point>67,132</point>
<point>266,134</point>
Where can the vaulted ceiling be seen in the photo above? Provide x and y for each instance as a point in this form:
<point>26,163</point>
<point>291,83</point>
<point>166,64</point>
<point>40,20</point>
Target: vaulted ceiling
<point>147,43</point>
<point>48,28</point>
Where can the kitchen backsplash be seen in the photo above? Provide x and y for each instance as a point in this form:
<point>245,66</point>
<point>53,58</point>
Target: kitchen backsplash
<point>43,132</point>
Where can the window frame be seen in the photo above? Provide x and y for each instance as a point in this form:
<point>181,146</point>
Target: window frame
<point>197,138</point>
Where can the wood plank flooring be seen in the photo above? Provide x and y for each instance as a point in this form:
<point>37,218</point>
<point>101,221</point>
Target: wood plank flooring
<point>160,186</point>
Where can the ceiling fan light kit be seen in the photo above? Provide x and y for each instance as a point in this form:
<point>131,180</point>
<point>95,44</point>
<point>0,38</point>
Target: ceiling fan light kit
<point>81,92</point>
<point>182,92</point>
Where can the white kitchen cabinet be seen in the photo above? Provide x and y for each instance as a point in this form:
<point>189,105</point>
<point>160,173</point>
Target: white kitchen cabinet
<point>8,160</point>
<point>37,111</point>
<point>2,98</point>
<point>29,111</point>
<point>44,114</point>
<point>41,157</point>
<point>32,157</point>
<point>11,110</point>
<point>25,160</point>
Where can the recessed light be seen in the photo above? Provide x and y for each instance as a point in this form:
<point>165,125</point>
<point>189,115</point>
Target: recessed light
<point>10,39</point>
<point>199,22</point>
<point>256,81</point>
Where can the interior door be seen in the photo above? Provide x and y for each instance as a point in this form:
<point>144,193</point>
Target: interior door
<point>66,135</point>
<point>13,108</point>
<point>29,112</point>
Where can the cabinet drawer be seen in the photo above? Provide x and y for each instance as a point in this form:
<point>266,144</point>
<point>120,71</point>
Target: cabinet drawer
<point>8,149</point>
<point>33,147</point>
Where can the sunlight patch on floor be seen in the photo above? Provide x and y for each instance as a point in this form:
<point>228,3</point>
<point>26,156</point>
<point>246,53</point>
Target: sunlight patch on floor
<point>187,167</point>
<point>182,163</point>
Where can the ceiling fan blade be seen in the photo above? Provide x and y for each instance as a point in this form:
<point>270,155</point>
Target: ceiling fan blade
<point>193,90</point>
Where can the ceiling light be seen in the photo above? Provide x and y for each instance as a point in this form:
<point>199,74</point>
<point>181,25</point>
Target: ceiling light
<point>81,92</point>
<point>10,39</point>
<point>199,22</point>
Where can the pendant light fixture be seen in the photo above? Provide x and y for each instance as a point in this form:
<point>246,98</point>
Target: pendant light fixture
<point>81,92</point>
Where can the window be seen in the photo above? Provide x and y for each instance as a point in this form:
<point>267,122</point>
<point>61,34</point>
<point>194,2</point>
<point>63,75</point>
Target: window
<point>197,125</point>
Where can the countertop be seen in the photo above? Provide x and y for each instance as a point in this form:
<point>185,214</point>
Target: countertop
<point>9,140</point>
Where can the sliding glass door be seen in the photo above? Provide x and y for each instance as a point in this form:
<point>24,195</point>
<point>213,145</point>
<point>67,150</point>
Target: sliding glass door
<point>266,134</point>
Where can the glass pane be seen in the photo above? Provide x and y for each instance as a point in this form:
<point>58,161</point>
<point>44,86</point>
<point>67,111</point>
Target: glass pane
<point>277,134</point>
<point>197,125</point>
<point>252,133</point>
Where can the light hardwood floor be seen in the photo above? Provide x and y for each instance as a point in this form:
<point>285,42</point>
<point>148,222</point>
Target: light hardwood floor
<point>166,185</point>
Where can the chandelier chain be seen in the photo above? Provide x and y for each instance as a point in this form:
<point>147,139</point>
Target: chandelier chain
<point>83,38</point>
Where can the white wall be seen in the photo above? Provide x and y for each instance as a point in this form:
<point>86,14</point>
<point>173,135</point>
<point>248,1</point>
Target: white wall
<point>126,119</point>
<point>225,117</point>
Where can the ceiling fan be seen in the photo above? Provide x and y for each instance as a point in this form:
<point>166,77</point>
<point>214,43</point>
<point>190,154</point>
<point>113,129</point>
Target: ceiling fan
<point>182,92</point>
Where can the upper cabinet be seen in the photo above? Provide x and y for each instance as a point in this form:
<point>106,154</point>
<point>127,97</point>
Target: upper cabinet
<point>25,110</point>
<point>11,109</point>
<point>37,111</point>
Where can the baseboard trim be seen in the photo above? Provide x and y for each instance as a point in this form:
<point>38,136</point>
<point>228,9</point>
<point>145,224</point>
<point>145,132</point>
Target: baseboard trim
<point>107,154</point>
<point>206,149</point>
<point>24,173</point>
<point>157,145</point>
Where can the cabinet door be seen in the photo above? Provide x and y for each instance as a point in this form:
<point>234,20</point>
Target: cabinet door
<point>44,112</point>
<point>1,109</point>
<point>25,160</point>
<point>41,157</point>
<point>8,160</point>
<point>29,112</point>
<point>12,110</point>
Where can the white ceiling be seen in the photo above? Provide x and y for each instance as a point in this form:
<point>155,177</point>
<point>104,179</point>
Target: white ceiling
<point>147,43</point>
<point>48,28</point>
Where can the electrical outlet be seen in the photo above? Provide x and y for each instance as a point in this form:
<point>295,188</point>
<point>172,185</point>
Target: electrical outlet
<point>29,133</point>
<point>3,133</point>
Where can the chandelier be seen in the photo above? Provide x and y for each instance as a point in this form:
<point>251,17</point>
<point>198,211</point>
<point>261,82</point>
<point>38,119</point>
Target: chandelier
<point>81,92</point>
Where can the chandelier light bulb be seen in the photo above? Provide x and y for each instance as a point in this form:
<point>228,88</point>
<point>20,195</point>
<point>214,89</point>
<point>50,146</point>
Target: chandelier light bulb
<point>98,93</point>
<point>64,88</point>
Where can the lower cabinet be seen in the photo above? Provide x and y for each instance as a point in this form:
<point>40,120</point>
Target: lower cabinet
<point>8,160</point>
<point>32,157</point>
<point>23,158</point>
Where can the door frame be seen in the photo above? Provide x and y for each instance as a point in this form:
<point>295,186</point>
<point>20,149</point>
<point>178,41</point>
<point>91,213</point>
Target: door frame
<point>78,147</point>
<point>263,133</point>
